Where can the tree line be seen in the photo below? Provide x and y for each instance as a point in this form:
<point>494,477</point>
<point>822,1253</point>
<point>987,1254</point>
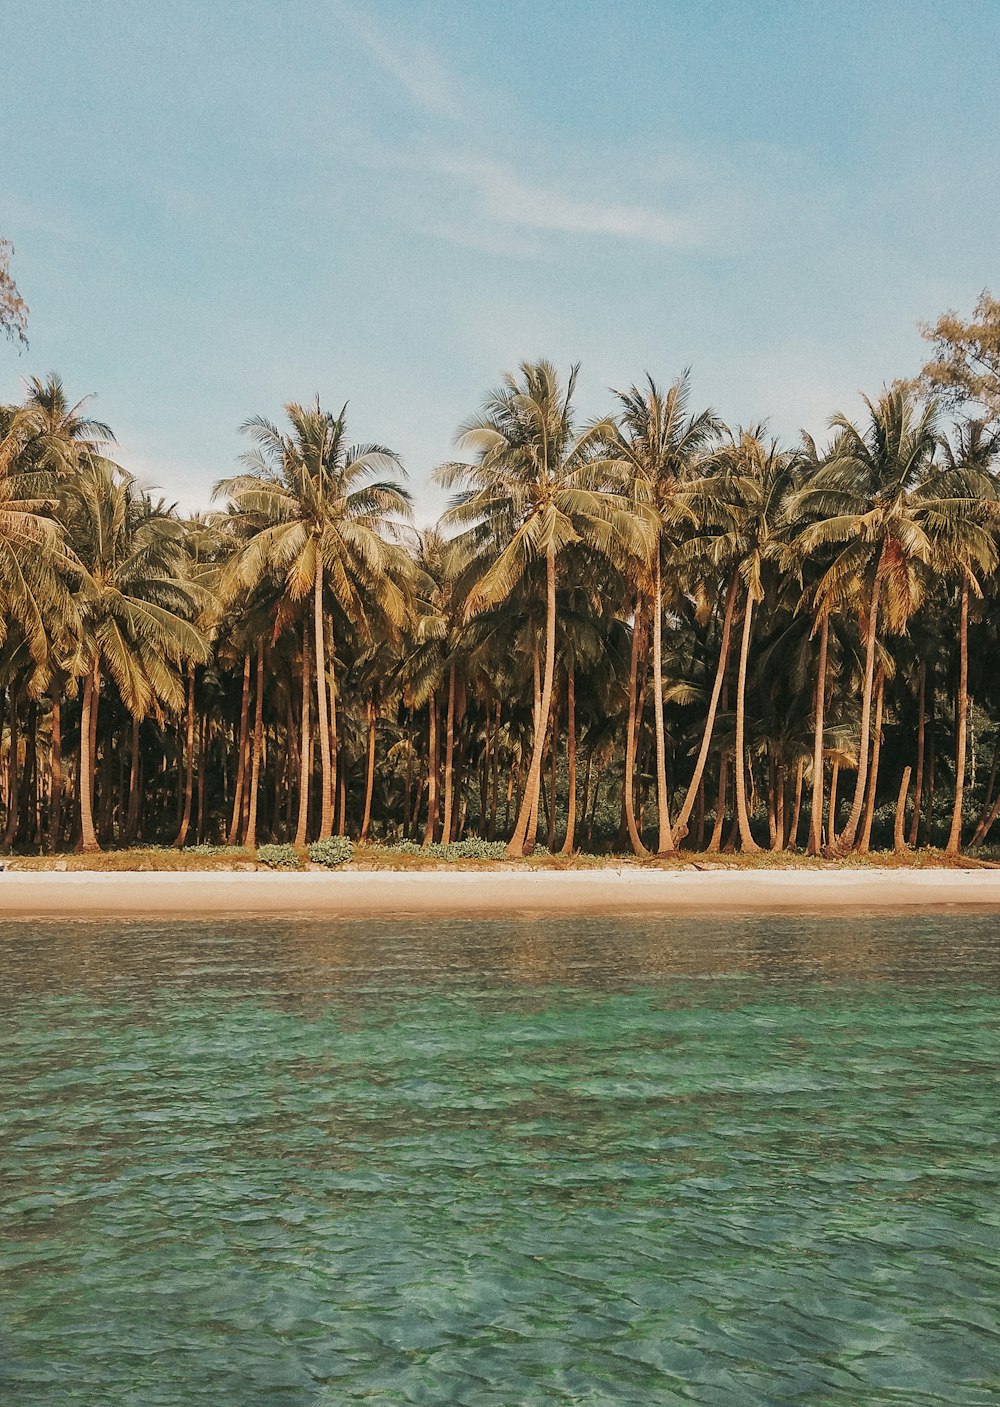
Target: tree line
<point>646,631</point>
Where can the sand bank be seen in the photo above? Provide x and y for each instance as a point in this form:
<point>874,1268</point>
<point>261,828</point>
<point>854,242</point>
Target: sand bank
<point>498,892</point>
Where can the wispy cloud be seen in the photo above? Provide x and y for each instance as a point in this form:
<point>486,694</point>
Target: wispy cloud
<point>506,199</point>
<point>415,67</point>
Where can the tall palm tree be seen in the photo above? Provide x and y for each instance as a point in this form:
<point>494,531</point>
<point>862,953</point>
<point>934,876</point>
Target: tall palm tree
<point>533,490</point>
<point>741,501</point>
<point>862,501</point>
<point>314,513</point>
<point>958,507</point>
<point>660,444</point>
<point>136,604</point>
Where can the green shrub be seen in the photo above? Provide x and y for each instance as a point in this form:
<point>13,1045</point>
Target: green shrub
<point>475,849</point>
<point>335,850</point>
<point>211,851</point>
<point>409,847</point>
<point>279,857</point>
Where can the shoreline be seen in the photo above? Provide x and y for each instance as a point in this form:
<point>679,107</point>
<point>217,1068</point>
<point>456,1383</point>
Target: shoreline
<point>494,893</point>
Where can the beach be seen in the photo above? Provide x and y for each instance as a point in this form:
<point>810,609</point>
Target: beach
<point>84,894</point>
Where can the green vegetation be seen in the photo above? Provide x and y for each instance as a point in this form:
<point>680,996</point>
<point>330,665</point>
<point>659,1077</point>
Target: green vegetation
<point>648,632</point>
<point>333,851</point>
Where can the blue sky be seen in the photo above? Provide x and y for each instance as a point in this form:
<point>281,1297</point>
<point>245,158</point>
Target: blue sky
<point>218,207</point>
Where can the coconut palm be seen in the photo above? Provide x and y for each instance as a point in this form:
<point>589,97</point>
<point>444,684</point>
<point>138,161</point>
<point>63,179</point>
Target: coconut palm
<point>533,490</point>
<point>660,444</point>
<point>741,506</point>
<point>957,505</point>
<point>862,503</point>
<point>136,605</point>
<point>313,512</point>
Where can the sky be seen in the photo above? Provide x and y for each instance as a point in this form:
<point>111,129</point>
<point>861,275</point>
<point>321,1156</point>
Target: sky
<point>221,207</point>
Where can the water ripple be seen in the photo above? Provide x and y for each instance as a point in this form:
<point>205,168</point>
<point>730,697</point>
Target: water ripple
<point>318,1163</point>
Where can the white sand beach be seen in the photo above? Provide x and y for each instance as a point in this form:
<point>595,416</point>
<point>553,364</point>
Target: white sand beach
<point>494,892</point>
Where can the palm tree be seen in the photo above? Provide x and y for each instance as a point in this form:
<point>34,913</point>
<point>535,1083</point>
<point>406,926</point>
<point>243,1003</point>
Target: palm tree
<point>136,605</point>
<point>958,508</point>
<point>534,489</point>
<point>660,444</point>
<point>862,501</point>
<point>741,502</point>
<point>314,514</point>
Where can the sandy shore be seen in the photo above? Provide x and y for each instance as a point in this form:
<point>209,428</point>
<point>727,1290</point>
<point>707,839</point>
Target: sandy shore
<point>495,892</point>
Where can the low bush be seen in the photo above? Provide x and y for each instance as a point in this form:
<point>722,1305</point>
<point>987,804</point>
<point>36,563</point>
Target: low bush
<point>279,857</point>
<point>475,849</point>
<point>335,850</point>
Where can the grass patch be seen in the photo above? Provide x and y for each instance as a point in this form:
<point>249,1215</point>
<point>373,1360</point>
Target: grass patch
<point>476,857</point>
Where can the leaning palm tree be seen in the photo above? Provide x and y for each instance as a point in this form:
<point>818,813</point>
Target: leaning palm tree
<point>534,489</point>
<point>660,444</point>
<point>312,511</point>
<point>740,503</point>
<point>862,501</point>
<point>136,605</point>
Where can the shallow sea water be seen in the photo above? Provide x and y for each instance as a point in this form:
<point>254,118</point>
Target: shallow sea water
<point>533,1161</point>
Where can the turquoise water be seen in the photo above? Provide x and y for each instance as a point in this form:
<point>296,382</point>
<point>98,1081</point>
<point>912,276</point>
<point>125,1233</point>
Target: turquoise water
<point>518,1163</point>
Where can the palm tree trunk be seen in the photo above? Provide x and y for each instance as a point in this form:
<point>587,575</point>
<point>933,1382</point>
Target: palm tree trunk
<point>338,779</point>
<point>250,839</point>
<point>341,786</point>
<point>931,761</point>
<point>593,805</point>
<point>432,771</point>
<point>202,780</point>
<point>13,773</point>
<point>305,747</point>
<point>898,840</point>
<point>793,829</point>
<point>28,801</point>
<point>188,763</point>
<point>832,821</point>
<point>699,818</point>
<point>529,802</point>
<point>866,831</point>
<point>665,842</point>
<point>56,772</point>
<point>747,841</point>
<point>567,846</point>
<point>628,793</point>
<point>449,760</point>
<point>921,728</point>
<point>550,840</point>
<point>134,793</point>
<point>88,717</point>
<point>816,814</point>
<point>680,827</point>
<point>241,761</point>
<point>495,779</point>
<point>961,722</point>
<point>531,840</point>
<point>988,792</point>
<point>370,774</point>
<point>850,830</point>
<point>322,713</point>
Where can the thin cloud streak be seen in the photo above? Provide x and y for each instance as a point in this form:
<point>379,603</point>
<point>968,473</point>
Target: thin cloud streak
<point>415,67</point>
<point>510,201</point>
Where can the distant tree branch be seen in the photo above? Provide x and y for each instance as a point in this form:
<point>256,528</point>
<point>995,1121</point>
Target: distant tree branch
<point>13,308</point>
